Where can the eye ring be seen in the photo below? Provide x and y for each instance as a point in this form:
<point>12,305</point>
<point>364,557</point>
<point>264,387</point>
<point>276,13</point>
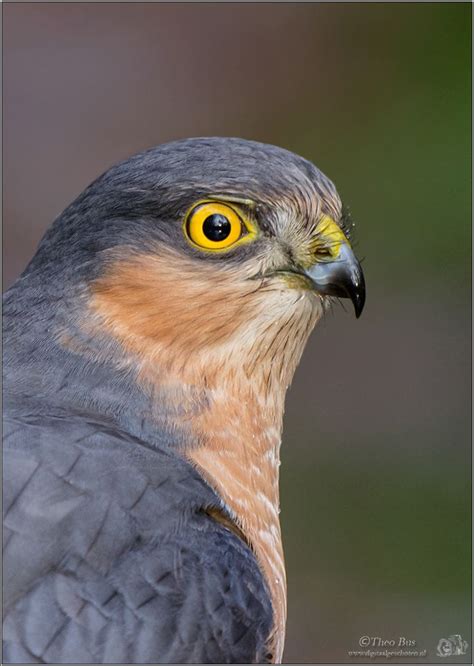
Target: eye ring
<point>215,226</point>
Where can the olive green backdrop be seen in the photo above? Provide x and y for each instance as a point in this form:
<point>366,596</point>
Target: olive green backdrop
<point>375,485</point>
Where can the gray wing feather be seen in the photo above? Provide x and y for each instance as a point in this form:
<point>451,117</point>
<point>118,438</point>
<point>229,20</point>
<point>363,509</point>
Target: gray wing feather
<point>110,556</point>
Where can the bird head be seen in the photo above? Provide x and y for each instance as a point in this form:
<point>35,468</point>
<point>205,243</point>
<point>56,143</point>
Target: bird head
<point>206,254</point>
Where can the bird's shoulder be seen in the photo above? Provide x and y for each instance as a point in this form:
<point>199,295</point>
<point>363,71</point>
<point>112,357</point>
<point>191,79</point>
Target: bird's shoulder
<point>111,554</point>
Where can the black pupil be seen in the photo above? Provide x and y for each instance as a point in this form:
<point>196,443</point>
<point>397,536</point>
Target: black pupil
<point>216,227</point>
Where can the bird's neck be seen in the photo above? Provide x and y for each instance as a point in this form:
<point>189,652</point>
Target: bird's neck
<point>231,415</point>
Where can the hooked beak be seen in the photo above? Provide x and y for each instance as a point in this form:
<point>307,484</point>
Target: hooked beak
<point>342,277</point>
<point>340,273</point>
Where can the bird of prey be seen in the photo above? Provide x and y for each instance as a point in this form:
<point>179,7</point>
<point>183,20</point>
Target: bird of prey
<point>148,347</point>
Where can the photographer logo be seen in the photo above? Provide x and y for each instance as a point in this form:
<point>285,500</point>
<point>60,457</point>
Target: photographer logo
<point>452,646</point>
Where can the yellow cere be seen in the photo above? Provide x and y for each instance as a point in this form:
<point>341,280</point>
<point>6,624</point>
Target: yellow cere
<point>214,226</point>
<point>330,237</point>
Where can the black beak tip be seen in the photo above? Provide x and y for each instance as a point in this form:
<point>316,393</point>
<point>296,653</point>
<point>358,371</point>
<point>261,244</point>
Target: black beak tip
<point>357,295</point>
<point>358,302</point>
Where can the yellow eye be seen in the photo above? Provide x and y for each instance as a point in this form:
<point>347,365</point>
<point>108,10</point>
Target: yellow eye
<point>214,226</point>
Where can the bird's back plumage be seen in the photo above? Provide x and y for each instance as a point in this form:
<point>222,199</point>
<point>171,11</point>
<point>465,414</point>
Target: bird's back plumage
<point>111,554</point>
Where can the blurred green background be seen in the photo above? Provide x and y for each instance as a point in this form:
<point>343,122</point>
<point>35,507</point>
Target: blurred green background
<point>375,483</point>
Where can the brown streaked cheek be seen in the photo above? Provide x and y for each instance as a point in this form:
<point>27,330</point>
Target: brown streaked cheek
<point>174,303</point>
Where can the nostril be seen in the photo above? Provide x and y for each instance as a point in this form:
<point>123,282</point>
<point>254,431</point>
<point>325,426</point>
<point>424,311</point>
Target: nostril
<point>324,252</point>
